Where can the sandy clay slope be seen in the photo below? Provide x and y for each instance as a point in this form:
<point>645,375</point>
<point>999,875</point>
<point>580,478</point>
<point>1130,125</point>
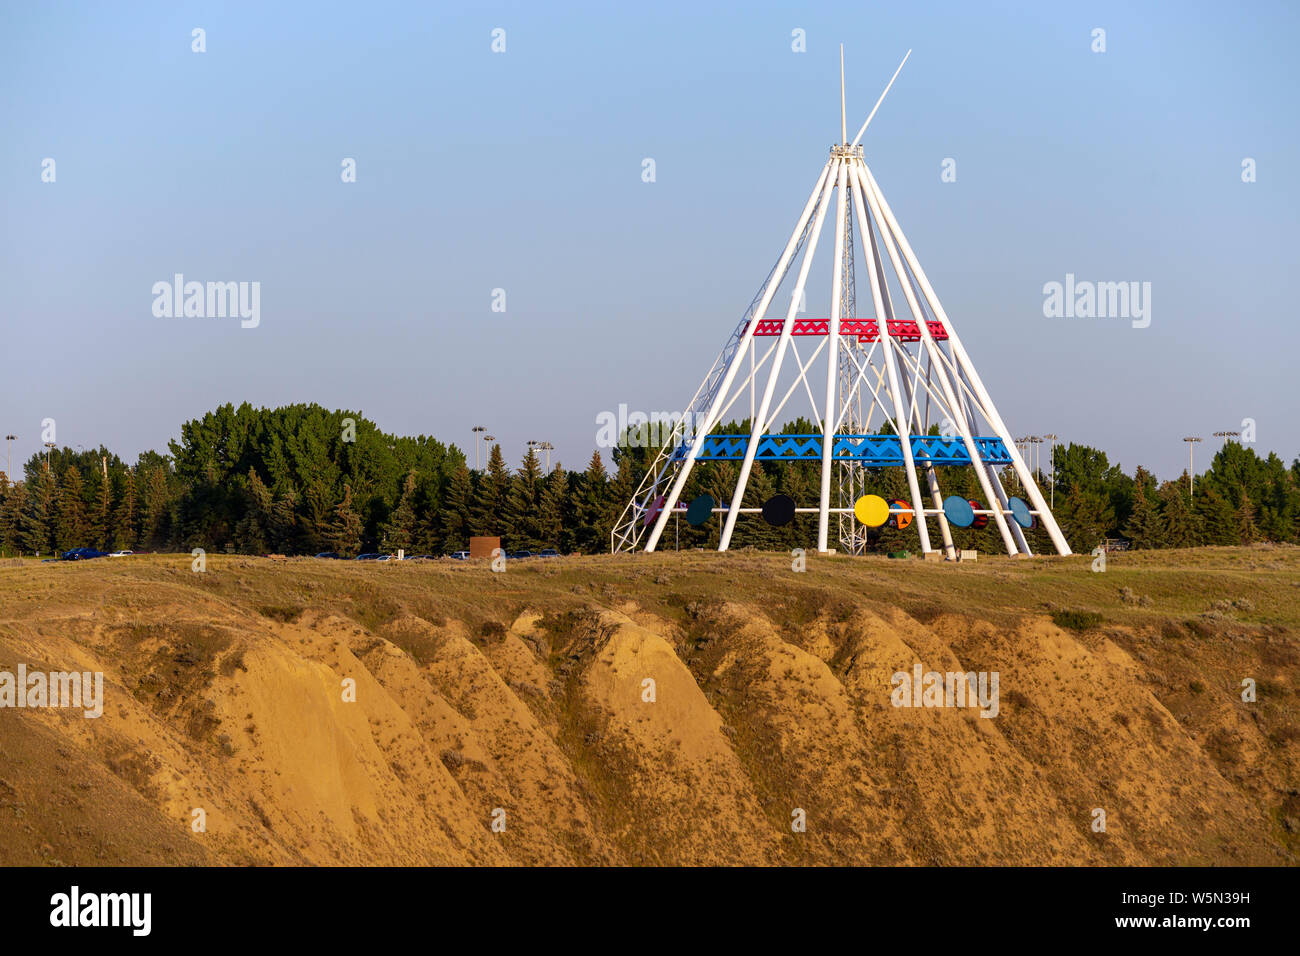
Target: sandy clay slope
<point>674,709</point>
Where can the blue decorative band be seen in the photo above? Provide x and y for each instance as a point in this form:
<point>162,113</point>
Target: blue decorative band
<point>879,450</point>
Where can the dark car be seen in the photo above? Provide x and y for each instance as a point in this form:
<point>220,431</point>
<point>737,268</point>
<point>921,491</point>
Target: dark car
<point>459,555</point>
<point>328,554</point>
<point>518,555</point>
<point>548,553</point>
<point>83,554</point>
<point>421,557</point>
<point>370,557</point>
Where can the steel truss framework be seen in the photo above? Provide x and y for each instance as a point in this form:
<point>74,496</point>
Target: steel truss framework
<point>916,374</point>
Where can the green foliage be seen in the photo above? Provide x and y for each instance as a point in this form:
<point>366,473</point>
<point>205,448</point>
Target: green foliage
<point>1076,620</point>
<point>301,479</point>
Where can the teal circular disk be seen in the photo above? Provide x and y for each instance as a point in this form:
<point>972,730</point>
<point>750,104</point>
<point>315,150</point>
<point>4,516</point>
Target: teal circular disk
<point>1020,511</point>
<point>958,511</point>
<point>700,510</point>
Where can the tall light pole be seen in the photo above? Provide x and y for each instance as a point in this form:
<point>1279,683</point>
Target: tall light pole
<point>1191,465</point>
<point>489,439</point>
<point>1020,447</point>
<point>9,456</point>
<point>1036,442</point>
<point>49,446</point>
<point>1051,456</point>
<point>548,448</point>
<point>476,430</point>
<point>1226,435</point>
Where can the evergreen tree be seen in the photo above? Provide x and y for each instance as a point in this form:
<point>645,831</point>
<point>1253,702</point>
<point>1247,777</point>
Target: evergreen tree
<point>156,501</point>
<point>36,524</point>
<point>285,537</point>
<point>71,527</point>
<point>318,523</point>
<point>1144,526</point>
<point>1084,518</point>
<point>345,532</point>
<point>453,520</point>
<point>1178,526</point>
<point>1216,518</point>
<point>253,530</point>
<point>751,529</point>
<point>1247,532</point>
<point>554,512</point>
<point>617,494</point>
<point>523,505</point>
<point>590,506</point>
<point>101,522</point>
<point>124,516</point>
<point>489,512</point>
<point>9,512</point>
<point>795,482</point>
<point>399,531</point>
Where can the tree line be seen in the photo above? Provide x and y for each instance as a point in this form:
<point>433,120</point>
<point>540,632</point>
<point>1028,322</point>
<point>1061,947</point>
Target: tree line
<point>301,480</point>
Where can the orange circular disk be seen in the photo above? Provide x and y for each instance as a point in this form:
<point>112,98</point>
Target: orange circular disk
<point>871,510</point>
<point>900,514</point>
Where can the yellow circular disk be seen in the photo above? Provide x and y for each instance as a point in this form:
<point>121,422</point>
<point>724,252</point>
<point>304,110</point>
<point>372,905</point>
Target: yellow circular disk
<point>871,510</point>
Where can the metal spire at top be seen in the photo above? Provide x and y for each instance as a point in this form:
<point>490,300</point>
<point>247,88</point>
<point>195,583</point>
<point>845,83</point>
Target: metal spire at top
<point>844,130</point>
<point>881,100</point>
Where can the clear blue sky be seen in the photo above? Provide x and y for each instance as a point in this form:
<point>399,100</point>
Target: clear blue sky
<point>522,171</point>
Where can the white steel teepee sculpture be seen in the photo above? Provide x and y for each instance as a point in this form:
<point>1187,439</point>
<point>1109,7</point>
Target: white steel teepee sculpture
<point>907,364</point>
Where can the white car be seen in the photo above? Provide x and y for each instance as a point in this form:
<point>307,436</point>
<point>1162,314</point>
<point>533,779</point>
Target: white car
<point>121,554</point>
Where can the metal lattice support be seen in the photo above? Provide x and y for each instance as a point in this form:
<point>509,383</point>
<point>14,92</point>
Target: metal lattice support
<point>909,367</point>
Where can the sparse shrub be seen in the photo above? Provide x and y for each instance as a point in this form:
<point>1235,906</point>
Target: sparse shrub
<point>284,613</point>
<point>1196,687</point>
<point>1076,620</point>
<point>1129,596</point>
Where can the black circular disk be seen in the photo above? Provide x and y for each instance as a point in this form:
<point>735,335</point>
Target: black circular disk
<point>778,510</point>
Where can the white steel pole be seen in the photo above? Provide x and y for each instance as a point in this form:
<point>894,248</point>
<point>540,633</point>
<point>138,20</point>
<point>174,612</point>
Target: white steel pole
<point>872,114</point>
<point>745,342</point>
<point>901,418</point>
<point>959,353</point>
<point>844,130</point>
<point>759,423</point>
<point>829,410</point>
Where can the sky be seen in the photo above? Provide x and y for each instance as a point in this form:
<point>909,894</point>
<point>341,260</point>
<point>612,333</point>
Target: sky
<point>522,171</point>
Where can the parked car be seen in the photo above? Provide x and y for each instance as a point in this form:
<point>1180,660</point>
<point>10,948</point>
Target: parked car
<point>421,557</point>
<point>83,554</point>
<point>370,557</point>
<point>519,555</point>
<point>328,554</point>
<point>459,555</point>
<point>548,553</point>
<point>121,554</point>
<point>386,557</point>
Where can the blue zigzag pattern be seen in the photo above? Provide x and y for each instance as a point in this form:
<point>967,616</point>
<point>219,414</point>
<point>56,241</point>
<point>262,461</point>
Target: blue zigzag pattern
<point>882,450</point>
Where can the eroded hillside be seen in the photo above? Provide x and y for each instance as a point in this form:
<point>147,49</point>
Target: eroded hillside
<point>523,697</point>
